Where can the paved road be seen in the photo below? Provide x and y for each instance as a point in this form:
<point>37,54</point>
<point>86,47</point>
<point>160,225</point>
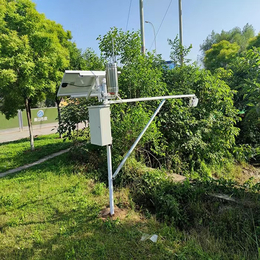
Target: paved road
<point>13,134</point>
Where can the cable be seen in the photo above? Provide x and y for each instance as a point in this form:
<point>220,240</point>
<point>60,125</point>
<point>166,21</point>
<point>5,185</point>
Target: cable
<point>128,14</point>
<point>161,23</point>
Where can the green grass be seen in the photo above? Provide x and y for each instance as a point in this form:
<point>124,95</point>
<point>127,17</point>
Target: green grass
<point>18,153</point>
<point>51,212</point>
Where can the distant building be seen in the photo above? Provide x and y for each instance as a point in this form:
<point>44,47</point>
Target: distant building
<point>169,64</point>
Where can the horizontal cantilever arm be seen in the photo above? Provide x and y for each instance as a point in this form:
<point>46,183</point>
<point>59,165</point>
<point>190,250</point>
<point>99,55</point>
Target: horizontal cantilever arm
<point>148,98</point>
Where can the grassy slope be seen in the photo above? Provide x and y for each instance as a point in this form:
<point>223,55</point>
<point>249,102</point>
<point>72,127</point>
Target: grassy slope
<point>52,212</point>
<point>18,153</point>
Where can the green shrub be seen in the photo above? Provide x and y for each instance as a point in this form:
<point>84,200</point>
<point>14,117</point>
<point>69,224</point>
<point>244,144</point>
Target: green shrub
<point>244,153</point>
<point>205,134</point>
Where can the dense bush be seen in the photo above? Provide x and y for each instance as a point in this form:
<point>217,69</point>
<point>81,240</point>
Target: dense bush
<point>244,78</point>
<point>205,133</point>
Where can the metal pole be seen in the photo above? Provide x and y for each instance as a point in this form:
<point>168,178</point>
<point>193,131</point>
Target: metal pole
<point>180,28</point>
<point>20,119</point>
<point>148,99</point>
<point>142,26</point>
<point>153,34</point>
<point>110,180</point>
<point>138,139</point>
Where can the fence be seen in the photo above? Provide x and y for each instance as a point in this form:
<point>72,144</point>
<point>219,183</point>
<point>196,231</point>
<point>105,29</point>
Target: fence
<point>40,116</point>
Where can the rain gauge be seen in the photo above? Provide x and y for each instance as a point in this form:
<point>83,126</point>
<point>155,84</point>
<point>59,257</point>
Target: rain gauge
<point>104,86</point>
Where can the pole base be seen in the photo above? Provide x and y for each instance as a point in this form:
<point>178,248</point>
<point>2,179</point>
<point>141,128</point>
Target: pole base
<point>119,213</point>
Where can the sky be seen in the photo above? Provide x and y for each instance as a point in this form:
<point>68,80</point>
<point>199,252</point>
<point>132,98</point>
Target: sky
<point>87,19</point>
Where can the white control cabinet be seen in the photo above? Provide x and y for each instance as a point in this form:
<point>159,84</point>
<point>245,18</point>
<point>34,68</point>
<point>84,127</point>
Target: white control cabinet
<point>100,126</point>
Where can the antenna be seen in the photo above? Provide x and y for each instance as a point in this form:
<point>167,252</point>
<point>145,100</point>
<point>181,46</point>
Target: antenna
<point>113,51</point>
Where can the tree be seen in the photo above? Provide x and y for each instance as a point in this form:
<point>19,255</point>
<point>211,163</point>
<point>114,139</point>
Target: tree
<point>91,61</point>
<point>178,52</point>
<point>32,57</point>
<point>239,67</point>
<point>235,35</point>
<point>220,55</point>
<point>240,70</point>
<point>245,80</point>
<point>180,135</point>
<point>254,42</point>
<point>124,45</point>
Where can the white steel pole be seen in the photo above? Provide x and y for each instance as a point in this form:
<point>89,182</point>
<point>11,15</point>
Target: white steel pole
<point>138,139</point>
<point>110,180</point>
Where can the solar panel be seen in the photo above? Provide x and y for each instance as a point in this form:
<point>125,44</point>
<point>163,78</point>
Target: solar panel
<point>81,83</point>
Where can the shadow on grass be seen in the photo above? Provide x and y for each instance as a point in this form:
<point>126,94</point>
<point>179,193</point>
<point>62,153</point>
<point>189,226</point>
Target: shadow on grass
<point>21,158</point>
<point>82,235</point>
<point>26,139</point>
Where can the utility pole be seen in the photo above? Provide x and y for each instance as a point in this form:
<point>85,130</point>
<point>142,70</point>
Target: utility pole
<point>142,26</point>
<point>180,28</point>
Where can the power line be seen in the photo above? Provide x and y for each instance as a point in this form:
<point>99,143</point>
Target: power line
<point>161,22</point>
<point>128,14</point>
